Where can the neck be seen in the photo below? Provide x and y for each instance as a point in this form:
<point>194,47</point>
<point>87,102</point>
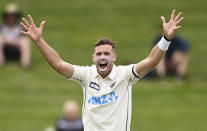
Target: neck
<point>72,119</point>
<point>11,25</point>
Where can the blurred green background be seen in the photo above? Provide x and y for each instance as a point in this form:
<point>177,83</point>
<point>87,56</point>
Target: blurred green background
<point>31,100</point>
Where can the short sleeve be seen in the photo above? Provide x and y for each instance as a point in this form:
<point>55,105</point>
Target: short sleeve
<point>132,74</point>
<point>80,73</point>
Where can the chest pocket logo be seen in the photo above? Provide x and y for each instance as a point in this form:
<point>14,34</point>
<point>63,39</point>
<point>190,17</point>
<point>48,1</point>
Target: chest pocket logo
<point>94,86</point>
<point>112,85</point>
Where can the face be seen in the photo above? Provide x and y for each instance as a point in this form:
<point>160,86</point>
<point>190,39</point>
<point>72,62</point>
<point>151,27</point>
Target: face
<point>71,111</point>
<point>104,58</point>
<point>11,19</point>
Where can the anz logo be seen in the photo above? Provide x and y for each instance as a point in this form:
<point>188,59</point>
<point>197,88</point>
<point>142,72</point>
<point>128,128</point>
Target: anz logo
<point>104,99</point>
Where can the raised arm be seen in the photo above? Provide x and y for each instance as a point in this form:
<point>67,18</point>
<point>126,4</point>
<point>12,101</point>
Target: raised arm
<point>156,54</point>
<point>52,57</point>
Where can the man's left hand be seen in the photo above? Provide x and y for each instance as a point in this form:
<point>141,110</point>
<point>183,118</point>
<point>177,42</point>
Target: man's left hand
<point>173,24</point>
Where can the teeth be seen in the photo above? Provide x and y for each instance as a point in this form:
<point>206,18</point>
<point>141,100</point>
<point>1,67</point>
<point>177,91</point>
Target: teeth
<point>103,62</point>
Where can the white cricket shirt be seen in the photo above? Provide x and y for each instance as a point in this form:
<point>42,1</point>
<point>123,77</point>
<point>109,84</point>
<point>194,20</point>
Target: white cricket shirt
<point>107,102</point>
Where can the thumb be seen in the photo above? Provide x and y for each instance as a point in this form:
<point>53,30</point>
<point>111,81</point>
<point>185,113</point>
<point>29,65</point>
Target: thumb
<point>24,33</point>
<point>163,19</point>
<point>42,24</point>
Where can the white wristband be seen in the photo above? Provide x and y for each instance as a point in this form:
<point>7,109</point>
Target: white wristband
<point>163,44</point>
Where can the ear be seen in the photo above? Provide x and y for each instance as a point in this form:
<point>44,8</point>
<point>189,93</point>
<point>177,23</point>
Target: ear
<point>114,58</point>
<point>93,58</point>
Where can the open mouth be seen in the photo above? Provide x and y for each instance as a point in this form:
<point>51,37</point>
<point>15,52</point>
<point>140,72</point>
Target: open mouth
<point>103,66</point>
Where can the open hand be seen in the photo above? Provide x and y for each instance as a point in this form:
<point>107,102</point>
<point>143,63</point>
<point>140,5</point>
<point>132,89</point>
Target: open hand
<point>173,24</point>
<point>32,31</point>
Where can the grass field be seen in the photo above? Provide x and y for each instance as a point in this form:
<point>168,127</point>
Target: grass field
<point>31,100</point>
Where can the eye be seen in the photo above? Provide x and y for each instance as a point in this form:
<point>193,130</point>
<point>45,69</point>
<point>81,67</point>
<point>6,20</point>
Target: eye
<point>98,53</point>
<point>107,53</point>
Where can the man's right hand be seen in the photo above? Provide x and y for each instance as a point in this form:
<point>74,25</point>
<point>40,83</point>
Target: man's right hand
<point>52,57</point>
<point>32,31</point>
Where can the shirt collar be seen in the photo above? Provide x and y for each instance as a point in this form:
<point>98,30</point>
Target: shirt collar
<point>113,72</point>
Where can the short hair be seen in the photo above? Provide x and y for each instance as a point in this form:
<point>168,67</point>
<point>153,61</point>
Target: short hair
<point>105,41</point>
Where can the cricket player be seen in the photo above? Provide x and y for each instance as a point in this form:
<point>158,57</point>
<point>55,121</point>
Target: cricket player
<point>107,88</point>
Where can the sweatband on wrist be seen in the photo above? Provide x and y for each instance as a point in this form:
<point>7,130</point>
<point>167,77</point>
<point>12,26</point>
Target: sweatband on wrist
<point>163,44</point>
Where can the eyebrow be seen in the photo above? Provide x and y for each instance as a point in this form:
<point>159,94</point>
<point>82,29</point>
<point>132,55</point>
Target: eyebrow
<point>103,52</point>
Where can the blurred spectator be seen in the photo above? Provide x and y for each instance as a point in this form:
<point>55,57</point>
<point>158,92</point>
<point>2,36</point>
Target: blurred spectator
<point>49,129</point>
<point>70,120</point>
<point>175,60</point>
<point>12,43</point>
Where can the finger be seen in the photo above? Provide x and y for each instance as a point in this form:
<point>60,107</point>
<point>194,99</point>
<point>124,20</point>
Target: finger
<point>24,33</point>
<point>178,16</point>
<point>24,26</point>
<point>26,22</point>
<point>178,27</point>
<point>31,20</point>
<point>42,24</point>
<point>173,14</point>
<point>163,19</point>
<point>180,20</point>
